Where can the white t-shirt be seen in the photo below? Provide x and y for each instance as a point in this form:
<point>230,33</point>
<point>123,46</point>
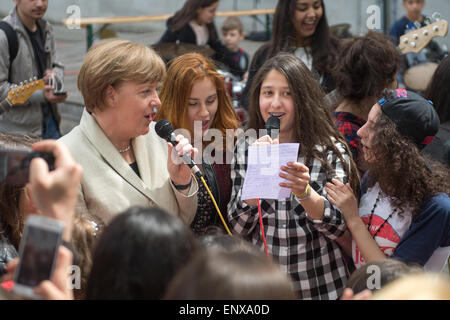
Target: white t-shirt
<point>304,54</point>
<point>201,33</point>
<point>392,231</point>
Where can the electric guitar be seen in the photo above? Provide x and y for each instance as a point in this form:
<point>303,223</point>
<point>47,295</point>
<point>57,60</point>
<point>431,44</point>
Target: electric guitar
<point>20,94</point>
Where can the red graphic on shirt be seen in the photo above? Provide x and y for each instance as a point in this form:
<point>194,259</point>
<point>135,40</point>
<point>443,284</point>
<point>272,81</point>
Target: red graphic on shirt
<point>387,238</point>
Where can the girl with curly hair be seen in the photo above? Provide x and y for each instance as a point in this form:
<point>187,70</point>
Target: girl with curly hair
<point>404,211</point>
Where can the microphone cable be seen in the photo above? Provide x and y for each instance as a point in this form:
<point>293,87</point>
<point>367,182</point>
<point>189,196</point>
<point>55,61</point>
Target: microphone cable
<point>215,205</point>
<point>273,123</point>
<point>262,230</point>
<point>164,129</point>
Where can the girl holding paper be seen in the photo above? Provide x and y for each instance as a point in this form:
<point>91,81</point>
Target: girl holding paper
<point>300,230</point>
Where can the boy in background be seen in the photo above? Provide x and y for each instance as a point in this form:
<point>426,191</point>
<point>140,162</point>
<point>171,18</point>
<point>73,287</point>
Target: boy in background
<point>413,13</point>
<point>417,68</point>
<point>233,34</point>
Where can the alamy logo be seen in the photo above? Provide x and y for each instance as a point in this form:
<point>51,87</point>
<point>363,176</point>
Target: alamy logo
<point>74,18</point>
<point>374,280</point>
<point>74,277</point>
<point>374,19</point>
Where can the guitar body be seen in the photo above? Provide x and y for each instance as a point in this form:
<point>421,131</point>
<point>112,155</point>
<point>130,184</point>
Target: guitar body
<point>418,77</point>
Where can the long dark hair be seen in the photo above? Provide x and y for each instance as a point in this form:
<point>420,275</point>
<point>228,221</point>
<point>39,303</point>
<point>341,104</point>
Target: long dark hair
<point>323,44</point>
<point>189,13</point>
<point>137,255</point>
<point>314,126</point>
<point>438,90</point>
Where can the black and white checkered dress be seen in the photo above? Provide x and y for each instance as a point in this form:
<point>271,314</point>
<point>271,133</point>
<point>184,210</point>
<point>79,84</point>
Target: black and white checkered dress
<point>303,247</point>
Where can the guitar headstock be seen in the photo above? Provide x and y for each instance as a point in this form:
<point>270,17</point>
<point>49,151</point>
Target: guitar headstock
<point>416,40</point>
<point>20,94</point>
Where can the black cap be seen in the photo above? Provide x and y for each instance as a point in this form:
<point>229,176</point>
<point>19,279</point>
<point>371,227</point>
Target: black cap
<point>414,116</point>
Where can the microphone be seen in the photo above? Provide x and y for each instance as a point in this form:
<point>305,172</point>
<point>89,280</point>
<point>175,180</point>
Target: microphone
<point>164,129</point>
<point>273,123</point>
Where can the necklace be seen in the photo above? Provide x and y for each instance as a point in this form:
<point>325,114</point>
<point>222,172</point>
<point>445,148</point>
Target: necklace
<point>371,215</point>
<point>125,150</point>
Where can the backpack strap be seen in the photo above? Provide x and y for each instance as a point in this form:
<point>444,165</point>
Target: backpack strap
<point>13,42</point>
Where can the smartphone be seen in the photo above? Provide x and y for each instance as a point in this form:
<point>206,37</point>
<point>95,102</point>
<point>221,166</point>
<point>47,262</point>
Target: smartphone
<point>14,164</point>
<point>38,251</point>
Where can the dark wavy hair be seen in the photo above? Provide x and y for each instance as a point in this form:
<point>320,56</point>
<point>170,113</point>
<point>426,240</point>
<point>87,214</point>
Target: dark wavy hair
<point>438,90</point>
<point>137,255</point>
<point>406,177</point>
<point>189,13</point>
<point>323,44</point>
<point>366,66</point>
<point>314,126</point>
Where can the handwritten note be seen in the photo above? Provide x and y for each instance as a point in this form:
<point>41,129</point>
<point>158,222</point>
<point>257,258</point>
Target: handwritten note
<point>262,178</point>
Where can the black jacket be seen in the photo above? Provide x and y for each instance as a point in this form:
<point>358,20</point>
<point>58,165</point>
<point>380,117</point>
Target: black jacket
<point>187,35</point>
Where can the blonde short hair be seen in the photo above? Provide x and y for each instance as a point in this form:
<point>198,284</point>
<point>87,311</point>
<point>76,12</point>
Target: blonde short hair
<point>419,286</point>
<point>113,62</point>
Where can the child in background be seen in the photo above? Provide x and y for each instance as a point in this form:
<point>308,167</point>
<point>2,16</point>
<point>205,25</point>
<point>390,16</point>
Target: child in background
<point>410,77</point>
<point>413,13</point>
<point>233,34</point>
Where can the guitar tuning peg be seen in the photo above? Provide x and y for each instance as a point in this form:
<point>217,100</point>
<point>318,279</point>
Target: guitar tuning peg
<point>34,78</point>
<point>417,24</point>
<point>436,16</point>
<point>25,82</point>
<point>427,21</point>
<point>21,84</point>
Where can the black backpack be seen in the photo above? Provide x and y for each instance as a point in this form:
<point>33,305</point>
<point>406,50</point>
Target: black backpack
<point>13,42</point>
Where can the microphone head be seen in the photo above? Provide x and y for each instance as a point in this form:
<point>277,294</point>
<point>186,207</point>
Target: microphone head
<point>164,129</point>
<point>273,123</point>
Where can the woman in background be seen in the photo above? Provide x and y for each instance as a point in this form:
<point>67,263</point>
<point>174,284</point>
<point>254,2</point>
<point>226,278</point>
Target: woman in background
<point>194,24</point>
<point>300,27</point>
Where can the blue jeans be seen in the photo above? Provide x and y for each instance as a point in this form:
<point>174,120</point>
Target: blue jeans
<point>50,129</point>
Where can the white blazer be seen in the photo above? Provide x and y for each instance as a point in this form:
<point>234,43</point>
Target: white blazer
<point>110,186</point>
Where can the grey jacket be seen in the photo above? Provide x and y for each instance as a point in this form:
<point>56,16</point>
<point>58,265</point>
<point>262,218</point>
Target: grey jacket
<point>26,118</point>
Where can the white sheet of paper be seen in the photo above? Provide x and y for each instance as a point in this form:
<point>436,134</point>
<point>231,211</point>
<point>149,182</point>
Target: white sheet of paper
<point>262,180</point>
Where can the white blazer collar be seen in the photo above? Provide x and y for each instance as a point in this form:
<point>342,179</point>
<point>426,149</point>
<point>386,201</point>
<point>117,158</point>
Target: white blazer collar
<point>111,155</point>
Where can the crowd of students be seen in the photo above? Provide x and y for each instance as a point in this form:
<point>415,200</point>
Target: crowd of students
<point>363,192</point>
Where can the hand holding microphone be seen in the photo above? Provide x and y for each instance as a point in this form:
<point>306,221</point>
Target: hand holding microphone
<point>179,174</point>
<point>273,128</point>
<point>164,129</point>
